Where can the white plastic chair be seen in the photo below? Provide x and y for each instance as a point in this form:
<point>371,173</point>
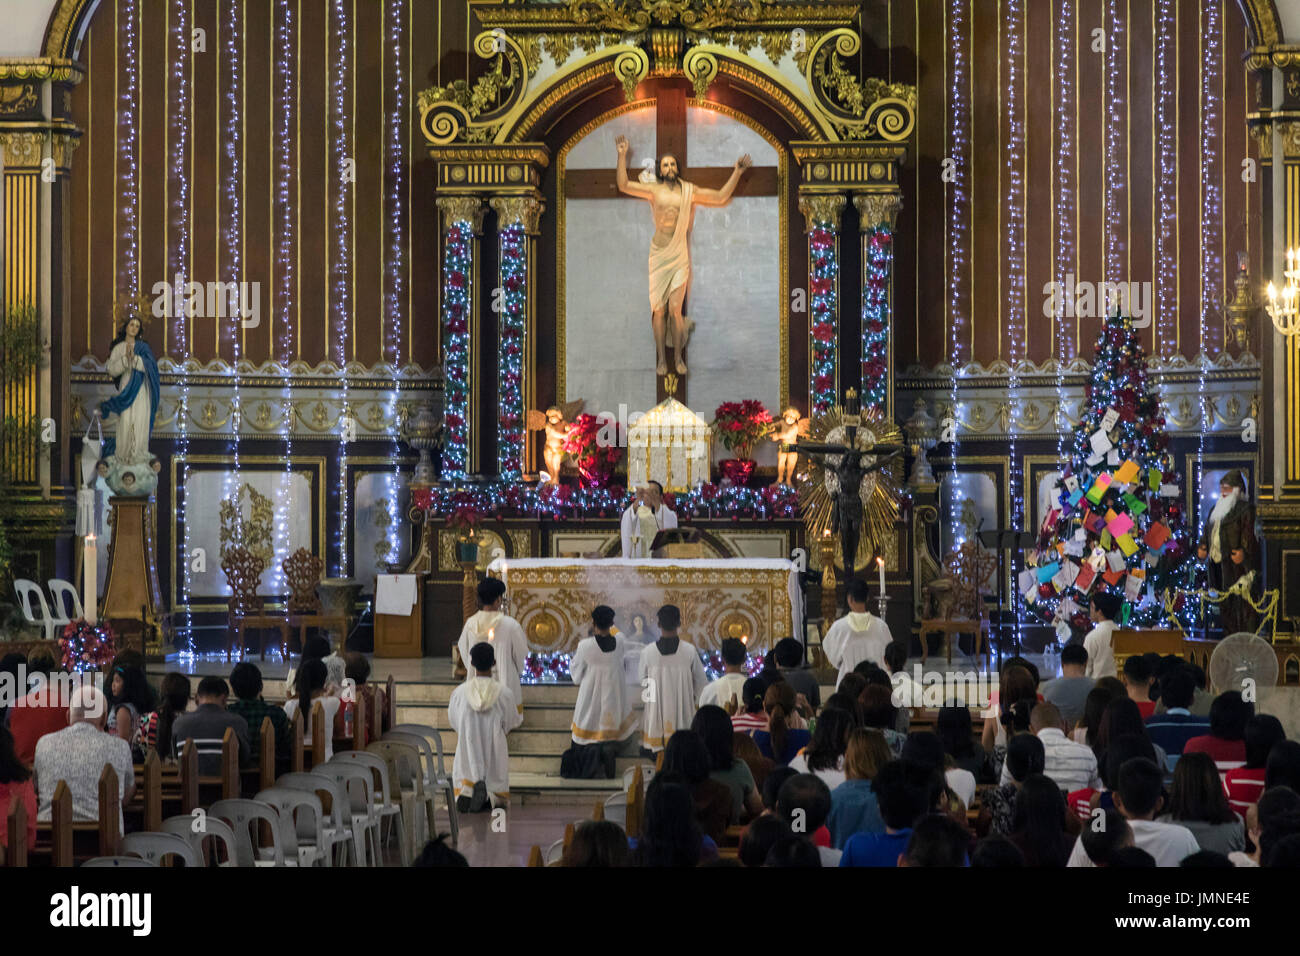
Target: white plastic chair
<point>32,599</point>
<point>430,771</point>
<point>243,817</point>
<point>647,774</point>
<point>111,861</point>
<point>300,813</point>
<point>182,825</point>
<point>359,786</point>
<point>553,853</point>
<point>155,846</point>
<point>407,772</point>
<point>341,839</point>
<point>616,809</point>
<point>381,797</point>
<point>439,779</point>
<point>66,602</point>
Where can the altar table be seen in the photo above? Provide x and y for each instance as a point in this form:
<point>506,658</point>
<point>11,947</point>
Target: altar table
<point>756,599</point>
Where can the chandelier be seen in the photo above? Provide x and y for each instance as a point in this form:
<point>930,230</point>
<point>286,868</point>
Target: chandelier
<point>1284,309</point>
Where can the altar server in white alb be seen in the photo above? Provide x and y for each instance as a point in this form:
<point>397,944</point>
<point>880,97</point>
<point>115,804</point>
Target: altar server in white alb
<point>672,679</point>
<point>481,713</point>
<point>490,625</point>
<point>644,518</point>
<point>603,713</point>
<point>731,685</point>
<point>856,637</point>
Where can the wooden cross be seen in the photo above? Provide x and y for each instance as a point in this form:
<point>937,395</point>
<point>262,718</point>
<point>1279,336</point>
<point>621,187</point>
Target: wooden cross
<point>670,137</point>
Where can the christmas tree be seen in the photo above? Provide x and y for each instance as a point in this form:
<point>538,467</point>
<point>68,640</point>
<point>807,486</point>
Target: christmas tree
<point>1116,523</point>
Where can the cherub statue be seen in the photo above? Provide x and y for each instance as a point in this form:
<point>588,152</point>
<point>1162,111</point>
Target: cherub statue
<point>791,427</point>
<point>557,421</point>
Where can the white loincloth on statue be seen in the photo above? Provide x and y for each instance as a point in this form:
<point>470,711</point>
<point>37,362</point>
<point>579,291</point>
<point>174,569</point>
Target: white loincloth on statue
<point>670,267</point>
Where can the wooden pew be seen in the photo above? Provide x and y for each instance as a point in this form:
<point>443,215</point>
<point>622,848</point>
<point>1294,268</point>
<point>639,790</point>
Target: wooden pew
<point>226,782</point>
<point>635,803</point>
<point>535,856</point>
<point>145,811</point>
<point>297,760</point>
<point>389,720</point>
<point>261,775</point>
<point>16,854</point>
<point>109,825</point>
<point>362,720</point>
<point>188,778</point>
<point>599,812</point>
<point>568,837</point>
<point>318,732</point>
<point>56,839</point>
<point>53,846</point>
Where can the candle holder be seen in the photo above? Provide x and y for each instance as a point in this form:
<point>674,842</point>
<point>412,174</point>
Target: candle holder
<point>882,603</point>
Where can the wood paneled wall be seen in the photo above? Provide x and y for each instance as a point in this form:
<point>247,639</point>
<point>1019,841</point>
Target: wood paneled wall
<point>327,310</point>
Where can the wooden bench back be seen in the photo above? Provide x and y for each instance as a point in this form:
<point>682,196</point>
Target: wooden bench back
<point>17,849</point>
<point>266,755</point>
<point>297,759</point>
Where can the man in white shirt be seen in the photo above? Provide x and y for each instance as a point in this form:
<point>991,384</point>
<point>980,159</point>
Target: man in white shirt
<point>1139,799</point>
<point>856,637</point>
<point>1104,610</point>
<point>1071,766</point>
<point>646,516</point>
<point>730,685</point>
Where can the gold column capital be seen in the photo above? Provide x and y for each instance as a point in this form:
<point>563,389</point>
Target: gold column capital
<point>1290,131</point>
<point>821,208</point>
<point>463,208</point>
<point>23,148</point>
<point>518,210</point>
<point>40,69</point>
<point>878,210</point>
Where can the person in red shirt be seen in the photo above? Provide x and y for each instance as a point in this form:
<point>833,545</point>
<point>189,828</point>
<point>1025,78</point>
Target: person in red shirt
<point>39,713</point>
<point>1139,675</point>
<point>1226,741</point>
<point>15,786</point>
<point>1245,784</point>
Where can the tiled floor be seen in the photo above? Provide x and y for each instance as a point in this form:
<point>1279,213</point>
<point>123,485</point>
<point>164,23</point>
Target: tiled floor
<point>505,839</point>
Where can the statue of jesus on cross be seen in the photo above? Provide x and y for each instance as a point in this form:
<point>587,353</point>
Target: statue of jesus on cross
<point>671,200</point>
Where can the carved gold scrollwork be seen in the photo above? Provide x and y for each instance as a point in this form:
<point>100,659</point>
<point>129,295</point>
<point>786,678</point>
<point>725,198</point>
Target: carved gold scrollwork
<point>859,110</point>
<point>890,119</point>
<point>632,66</point>
<point>442,122</point>
<point>702,68</point>
<point>472,114</point>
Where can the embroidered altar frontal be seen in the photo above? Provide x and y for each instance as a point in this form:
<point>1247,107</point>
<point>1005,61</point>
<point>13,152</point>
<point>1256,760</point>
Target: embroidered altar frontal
<point>755,599</point>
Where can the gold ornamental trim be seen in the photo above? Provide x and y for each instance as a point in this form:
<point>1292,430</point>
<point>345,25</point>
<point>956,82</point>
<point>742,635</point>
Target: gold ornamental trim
<point>640,15</point>
<point>518,210</point>
<point>877,210</point>
<point>456,209</point>
<point>22,149</point>
<point>41,68</point>
<point>821,208</point>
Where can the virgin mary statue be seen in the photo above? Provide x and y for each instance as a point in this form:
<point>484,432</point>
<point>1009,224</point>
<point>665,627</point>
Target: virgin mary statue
<point>126,452</point>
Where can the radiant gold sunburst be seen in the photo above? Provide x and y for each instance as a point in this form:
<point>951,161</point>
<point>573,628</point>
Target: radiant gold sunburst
<point>879,490</point>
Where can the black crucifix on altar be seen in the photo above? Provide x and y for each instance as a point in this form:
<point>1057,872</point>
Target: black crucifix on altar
<point>854,464</point>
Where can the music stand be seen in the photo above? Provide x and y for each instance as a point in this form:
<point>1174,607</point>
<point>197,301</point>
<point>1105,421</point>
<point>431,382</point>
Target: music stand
<point>1002,541</point>
<point>685,542</point>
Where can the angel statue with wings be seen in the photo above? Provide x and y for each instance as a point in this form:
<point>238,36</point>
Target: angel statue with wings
<point>557,422</point>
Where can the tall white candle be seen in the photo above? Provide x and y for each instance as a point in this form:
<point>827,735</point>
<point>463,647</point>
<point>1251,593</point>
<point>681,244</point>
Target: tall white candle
<point>90,589</point>
<point>880,565</point>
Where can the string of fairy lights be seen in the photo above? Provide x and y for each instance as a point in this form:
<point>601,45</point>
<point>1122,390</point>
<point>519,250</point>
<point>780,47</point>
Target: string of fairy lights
<point>396,129</point>
<point>128,122</point>
<point>878,254</point>
<point>823,268</point>
<point>1211,224</point>
<point>1166,184</point>
<point>510,358</point>
<point>178,217</point>
<point>341,152</point>
<point>1064,209</point>
<point>284,99</point>
<point>958,210</point>
<point>1015,248</point>
<point>455,349</point>
<point>230,328</point>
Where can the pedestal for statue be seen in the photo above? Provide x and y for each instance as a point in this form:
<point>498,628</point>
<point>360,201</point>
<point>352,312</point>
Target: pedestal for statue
<point>132,601</point>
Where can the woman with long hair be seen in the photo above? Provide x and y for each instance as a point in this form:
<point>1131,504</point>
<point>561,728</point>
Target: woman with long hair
<point>597,843</point>
<point>309,686</point>
<point>955,729</point>
<point>15,784</point>
<point>1197,801</point>
<point>686,756</point>
<point>1040,824</point>
<point>781,741</point>
<point>824,755</point>
<point>1094,705</point>
<point>130,698</point>
<point>670,833</point>
<point>1245,784</point>
<point>1122,717</point>
<point>751,717</point>
<point>713,726</point>
<point>853,803</point>
<point>156,731</point>
<point>1015,683</point>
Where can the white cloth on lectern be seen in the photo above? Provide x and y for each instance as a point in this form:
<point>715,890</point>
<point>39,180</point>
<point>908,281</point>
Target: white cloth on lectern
<point>665,520</point>
<point>395,594</point>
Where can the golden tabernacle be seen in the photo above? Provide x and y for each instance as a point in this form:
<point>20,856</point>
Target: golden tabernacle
<point>755,599</point>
